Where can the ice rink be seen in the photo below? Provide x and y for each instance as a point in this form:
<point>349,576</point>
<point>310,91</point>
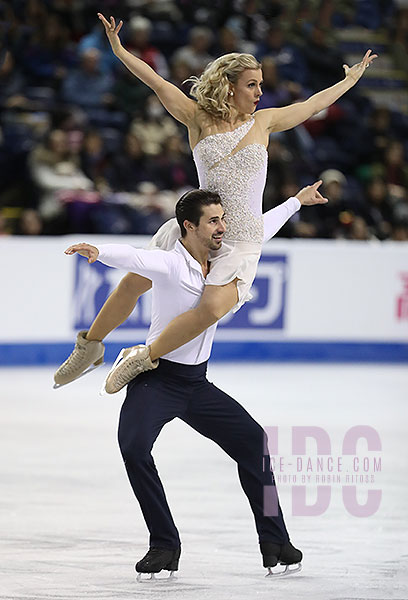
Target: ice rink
<point>71,528</point>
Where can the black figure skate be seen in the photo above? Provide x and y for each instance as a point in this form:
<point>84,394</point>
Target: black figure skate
<point>285,555</point>
<point>156,560</point>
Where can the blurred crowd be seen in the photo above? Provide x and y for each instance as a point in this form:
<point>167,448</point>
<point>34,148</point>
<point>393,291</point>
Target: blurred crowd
<point>87,148</point>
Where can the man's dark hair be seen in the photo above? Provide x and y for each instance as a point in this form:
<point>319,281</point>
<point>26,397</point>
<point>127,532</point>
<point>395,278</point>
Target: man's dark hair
<point>190,206</point>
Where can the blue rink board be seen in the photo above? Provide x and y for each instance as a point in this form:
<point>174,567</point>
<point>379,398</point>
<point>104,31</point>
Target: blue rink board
<point>366,352</point>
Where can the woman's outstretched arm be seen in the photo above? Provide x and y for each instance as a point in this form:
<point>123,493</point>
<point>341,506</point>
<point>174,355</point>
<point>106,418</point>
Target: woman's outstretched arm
<point>280,119</point>
<point>173,99</point>
<point>275,218</point>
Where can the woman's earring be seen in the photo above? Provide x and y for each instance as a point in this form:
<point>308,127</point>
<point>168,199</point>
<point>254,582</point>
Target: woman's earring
<point>231,93</point>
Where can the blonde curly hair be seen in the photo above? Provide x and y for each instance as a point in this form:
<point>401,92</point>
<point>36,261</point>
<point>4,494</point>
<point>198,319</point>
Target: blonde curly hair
<point>211,89</point>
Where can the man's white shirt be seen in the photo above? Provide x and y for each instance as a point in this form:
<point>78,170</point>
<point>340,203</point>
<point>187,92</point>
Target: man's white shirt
<point>178,284</point>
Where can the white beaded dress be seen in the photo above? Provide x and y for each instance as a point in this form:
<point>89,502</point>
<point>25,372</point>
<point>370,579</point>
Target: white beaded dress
<point>237,172</point>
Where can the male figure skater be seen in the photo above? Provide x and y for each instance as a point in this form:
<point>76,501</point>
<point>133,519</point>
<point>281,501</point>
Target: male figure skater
<point>177,387</point>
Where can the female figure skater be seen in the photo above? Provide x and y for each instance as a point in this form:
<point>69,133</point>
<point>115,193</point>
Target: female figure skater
<point>228,141</point>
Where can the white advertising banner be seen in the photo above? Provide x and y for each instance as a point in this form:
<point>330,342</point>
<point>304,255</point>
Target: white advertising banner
<point>305,292</point>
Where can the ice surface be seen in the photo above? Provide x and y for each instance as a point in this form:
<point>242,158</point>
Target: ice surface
<point>71,529</point>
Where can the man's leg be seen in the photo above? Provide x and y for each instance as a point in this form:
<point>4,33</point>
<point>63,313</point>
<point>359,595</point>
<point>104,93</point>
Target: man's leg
<point>219,417</point>
<point>147,408</point>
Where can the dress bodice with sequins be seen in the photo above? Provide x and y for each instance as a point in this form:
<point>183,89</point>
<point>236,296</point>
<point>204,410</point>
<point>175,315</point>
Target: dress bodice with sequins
<point>238,177</point>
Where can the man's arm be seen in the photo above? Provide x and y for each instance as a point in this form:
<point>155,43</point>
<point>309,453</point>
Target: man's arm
<point>152,264</point>
<point>275,218</point>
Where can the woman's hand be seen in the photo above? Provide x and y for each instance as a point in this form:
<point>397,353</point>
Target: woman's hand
<point>90,252</point>
<point>309,195</point>
<point>356,71</point>
<point>112,32</point>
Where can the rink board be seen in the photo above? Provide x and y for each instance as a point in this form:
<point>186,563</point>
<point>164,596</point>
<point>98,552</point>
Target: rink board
<point>312,300</point>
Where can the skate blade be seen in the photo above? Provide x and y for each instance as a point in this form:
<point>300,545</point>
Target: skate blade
<point>153,579</point>
<point>285,573</point>
<point>119,357</point>
<point>56,386</point>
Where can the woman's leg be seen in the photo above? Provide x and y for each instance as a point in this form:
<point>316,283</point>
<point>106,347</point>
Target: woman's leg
<point>118,306</point>
<point>89,349</point>
<point>216,302</point>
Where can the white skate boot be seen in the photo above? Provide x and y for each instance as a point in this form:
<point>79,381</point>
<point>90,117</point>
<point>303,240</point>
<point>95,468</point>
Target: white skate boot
<point>128,365</point>
<point>78,363</point>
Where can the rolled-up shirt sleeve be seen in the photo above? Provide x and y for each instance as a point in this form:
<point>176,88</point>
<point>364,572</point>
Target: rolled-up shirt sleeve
<point>152,264</point>
<point>275,218</point>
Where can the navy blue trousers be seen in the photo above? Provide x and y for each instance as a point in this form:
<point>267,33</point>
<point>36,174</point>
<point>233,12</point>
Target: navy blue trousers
<point>175,390</point>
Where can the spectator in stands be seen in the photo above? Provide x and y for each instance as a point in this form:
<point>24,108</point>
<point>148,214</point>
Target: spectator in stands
<point>155,126</point>
<point>30,223</point>
<point>289,59</point>
<point>280,170</point>
<point>195,55</point>
<point>399,40</point>
<point>339,215</point>
<point>88,86</point>
<point>130,94</point>
<point>130,167</point>
<point>274,93</point>
<point>399,199</point>
<point>395,167</point>
<point>138,42</point>
<point>324,62</point>
<point>156,205</point>
<point>249,21</point>
<point>96,39</point>
<point>400,231</point>
<point>35,12</point>
<point>95,159</point>
<point>359,230</point>
<point>11,83</point>
<point>174,166</point>
<point>378,211</point>
<point>54,168</point>
<point>288,185</point>
<point>180,71</point>
<point>376,135</point>
<point>228,41</point>
<point>49,53</point>
<point>169,11</point>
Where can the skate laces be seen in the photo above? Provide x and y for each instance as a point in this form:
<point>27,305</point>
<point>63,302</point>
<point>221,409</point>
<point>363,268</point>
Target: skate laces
<point>74,360</point>
<point>126,370</point>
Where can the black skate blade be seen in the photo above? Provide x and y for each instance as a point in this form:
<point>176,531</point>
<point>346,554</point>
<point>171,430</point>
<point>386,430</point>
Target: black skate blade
<point>153,578</point>
<point>57,386</point>
<point>287,571</point>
